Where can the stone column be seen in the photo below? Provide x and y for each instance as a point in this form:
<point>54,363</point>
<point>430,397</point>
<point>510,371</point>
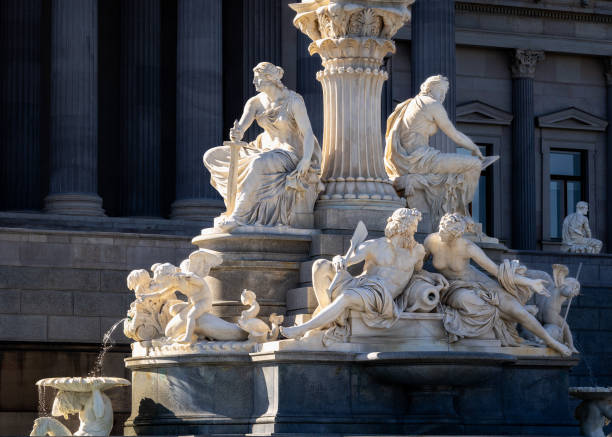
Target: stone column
<point>73,183</point>
<point>20,104</point>
<point>608,75</point>
<point>140,130</point>
<point>199,106</point>
<point>524,216</point>
<point>261,24</point>
<point>352,41</point>
<point>433,52</point>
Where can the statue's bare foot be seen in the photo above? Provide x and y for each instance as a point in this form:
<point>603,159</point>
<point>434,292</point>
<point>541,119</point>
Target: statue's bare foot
<point>227,224</point>
<point>291,332</point>
<point>186,340</point>
<point>562,349</point>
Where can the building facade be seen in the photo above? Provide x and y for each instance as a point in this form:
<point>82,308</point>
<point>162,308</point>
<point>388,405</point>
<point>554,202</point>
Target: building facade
<point>107,106</point>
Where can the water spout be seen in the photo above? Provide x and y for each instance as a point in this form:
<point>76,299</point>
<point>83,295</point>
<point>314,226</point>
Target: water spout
<point>107,344</point>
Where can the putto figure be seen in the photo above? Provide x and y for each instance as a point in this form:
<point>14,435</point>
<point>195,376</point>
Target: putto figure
<point>577,233</point>
<point>443,182</point>
<point>270,180</point>
<point>390,262</point>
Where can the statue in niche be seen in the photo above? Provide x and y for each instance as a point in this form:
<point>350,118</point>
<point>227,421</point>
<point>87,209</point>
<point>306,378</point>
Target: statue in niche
<point>187,321</point>
<point>440,182</point>
<point>577,233</point>
<point>273,179</point>
<point>390,262</point>
<point>549,314</point>
<point>475,303</point>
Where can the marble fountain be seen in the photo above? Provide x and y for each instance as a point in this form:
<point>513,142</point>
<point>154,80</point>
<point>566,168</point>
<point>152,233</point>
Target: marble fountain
<point>407,336</point>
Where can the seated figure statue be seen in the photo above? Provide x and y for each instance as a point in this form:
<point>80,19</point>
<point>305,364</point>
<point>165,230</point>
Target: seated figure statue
<point>446,182</point>
<point>475,303</point>
<point>276,176</point>
<point>390,262</point>
<point>577,233</point>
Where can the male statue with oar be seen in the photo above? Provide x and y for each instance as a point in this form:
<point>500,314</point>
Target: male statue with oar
<point>389,263</point>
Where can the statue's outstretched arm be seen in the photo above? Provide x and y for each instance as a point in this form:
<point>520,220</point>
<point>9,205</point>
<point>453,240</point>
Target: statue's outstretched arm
<point>446,126</point>
<point>481,258</point>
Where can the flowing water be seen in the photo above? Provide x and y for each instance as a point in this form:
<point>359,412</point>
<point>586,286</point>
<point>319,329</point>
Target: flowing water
<point>107,344</point>
<point>42,402</point>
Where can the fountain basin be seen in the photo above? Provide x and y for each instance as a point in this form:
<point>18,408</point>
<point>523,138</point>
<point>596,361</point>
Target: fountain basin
<point>285,390</point>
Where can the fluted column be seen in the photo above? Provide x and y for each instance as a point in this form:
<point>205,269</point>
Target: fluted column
<point>73,172</point>
<point>261,24</point>
<point>608,76</point>
<point>433,52</point>
<point>307,85</point>
<point>199,106</point>
<point>20,104</point>
<point>352,42</point>
<point>524,216</point>
<point>140,107</point>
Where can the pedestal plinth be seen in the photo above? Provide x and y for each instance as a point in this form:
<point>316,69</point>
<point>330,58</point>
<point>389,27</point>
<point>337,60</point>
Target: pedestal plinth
<point>352,39</point>
<point>265,260</point>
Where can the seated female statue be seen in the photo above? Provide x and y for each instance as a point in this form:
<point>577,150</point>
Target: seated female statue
<point>475,303</point>
<point>277,172</point>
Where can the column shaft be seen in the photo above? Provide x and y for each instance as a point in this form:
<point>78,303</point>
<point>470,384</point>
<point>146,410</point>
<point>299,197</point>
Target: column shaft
<point>141,107</point>
<point>523,166</point>
<point>433,52</point>
<point>199,106</point>
<point>524,235</point>
<point>20,104</point>
<point>608,76</point>
<point>73,184</point>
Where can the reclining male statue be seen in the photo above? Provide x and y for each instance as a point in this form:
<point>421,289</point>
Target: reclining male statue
<point>390,262</point>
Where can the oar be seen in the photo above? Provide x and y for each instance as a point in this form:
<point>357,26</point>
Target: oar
<point>571,297</point>
<point>359,237</point>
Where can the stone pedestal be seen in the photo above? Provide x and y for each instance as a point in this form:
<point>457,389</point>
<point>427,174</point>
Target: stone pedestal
<point>524,235</point>
<point>266,261</point>
<point>199,102</point>
<point>352,40</point>
<point>305,392</point>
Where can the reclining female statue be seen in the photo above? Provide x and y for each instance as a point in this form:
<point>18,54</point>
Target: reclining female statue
<point>475,303</point>
<point>276,171</point>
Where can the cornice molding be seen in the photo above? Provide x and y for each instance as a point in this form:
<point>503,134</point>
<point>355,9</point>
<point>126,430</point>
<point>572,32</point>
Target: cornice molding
<point>532,12</point>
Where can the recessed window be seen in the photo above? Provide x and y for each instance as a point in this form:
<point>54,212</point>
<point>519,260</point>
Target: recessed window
<point>567,186</point>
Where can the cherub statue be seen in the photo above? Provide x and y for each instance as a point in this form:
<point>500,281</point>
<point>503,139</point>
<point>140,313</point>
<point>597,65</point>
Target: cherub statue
<point>192,320</point>
<point>549,307</point>
<point>577,233</point>
<point>593,415</point>
<point>476,303</point>
<point>258,330</point>
<point>447,181</point>
<point>390,262</point>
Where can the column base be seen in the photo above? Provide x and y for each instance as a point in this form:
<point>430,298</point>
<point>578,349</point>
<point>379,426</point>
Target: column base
<point>74,204</point>
<point>346,213</point>
<point>197,209</point>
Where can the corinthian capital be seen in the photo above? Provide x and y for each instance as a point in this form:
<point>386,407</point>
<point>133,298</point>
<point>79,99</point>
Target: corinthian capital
<point>524,62</point>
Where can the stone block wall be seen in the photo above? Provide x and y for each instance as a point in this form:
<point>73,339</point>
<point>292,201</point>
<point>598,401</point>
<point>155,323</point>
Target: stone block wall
<point>60,291</point>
